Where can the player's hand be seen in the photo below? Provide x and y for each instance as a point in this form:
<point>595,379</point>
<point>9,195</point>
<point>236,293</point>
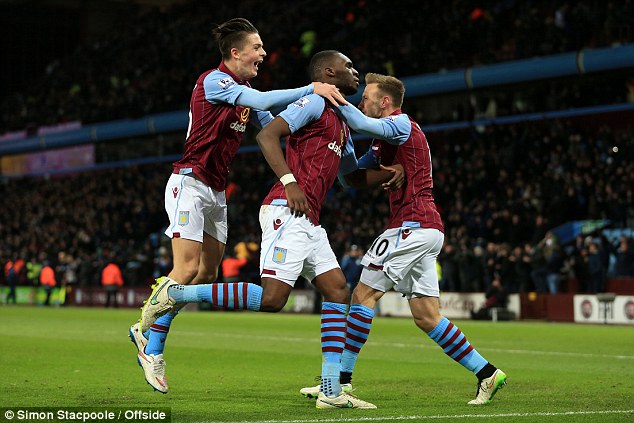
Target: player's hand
<point>330,93</point>
<point>297,201</point>
<point>398,177</point>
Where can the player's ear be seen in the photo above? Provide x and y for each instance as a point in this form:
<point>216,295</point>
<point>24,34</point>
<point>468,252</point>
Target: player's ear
<point>235,53</point>
<point>330,72</point>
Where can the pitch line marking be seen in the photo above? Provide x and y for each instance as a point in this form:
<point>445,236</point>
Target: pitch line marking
<point>437,417</point>
<point>402,345</point>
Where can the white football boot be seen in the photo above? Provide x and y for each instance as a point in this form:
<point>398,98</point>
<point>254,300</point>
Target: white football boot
<point>154,368</point>
<point>343,400</point>
<point>488,387</point>
<point>158,304</point>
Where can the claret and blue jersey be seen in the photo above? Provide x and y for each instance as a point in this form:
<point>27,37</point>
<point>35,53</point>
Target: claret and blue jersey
<point>220,108</point>
<point>399,140</point>
<point>319,148</point>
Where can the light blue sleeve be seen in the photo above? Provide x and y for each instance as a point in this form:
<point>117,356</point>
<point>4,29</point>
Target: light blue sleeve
<point>222,88</point>
<point>261,119</point>
<point>368,160</point>
<point>303,111</point>
<point>394,129</point>
<point>348,162</point>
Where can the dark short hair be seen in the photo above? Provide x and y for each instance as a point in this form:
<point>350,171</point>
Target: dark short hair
<point>232,34</point>
<point>319,61</point>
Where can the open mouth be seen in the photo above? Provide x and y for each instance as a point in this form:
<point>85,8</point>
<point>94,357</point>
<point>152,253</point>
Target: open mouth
<point>257,64</point>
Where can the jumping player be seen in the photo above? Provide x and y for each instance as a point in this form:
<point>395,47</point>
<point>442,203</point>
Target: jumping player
<point>222,103</point>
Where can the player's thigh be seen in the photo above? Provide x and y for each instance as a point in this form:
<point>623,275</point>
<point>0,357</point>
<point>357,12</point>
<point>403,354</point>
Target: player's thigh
<point>285,244</point>
<point>332,284</point>
<point>426,312</point>
<point>275,294</point>
<point>186,255</point>
<point>210,258</point>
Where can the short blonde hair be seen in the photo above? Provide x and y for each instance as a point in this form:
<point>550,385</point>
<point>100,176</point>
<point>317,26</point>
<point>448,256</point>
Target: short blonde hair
<point>388,85</point>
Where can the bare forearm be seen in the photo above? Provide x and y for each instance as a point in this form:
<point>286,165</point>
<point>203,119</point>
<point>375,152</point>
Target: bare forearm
<point>368,178</point>
<point>272,151</point>
<point>269,141</point>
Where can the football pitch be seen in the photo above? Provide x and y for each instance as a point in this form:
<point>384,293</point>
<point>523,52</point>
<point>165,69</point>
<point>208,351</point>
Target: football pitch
<point>249,367</point>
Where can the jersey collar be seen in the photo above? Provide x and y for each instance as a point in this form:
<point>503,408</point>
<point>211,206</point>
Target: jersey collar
<point>223,68</point>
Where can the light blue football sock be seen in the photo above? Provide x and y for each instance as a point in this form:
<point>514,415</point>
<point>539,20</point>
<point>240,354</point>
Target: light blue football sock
<point>359,323</point>
<point>453,342</point>
<point>228,296</point>
<point>333,338</point>
<point>158,333</point>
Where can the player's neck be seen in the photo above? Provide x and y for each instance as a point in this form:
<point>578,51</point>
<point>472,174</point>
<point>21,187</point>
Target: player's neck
<point>388,112</point>
<point>234,68</point>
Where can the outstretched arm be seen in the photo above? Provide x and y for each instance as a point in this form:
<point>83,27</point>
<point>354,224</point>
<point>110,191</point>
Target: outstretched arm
<point>269,142</point>
<point>267,100</point>
<point>393,129</point>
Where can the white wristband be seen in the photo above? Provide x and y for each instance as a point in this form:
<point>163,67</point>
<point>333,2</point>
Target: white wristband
<point>287,179</point>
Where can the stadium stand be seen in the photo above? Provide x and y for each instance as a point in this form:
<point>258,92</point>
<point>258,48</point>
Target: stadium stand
<point>500,188</point>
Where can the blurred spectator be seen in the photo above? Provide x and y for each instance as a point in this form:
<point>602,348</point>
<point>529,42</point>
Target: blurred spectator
<point>596,270</point>
<point>351,265</point>
<point>48,281</point>
<point>163,263</point>
<point>546,277</point>
<point>112,280</point>
<point>496,297</point>
<point>11,278</point>
<point>231,265</point>
<point>624,265</point>
<point>448,261</point>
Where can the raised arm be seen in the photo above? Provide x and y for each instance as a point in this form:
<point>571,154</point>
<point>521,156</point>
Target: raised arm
<point>269,142</point>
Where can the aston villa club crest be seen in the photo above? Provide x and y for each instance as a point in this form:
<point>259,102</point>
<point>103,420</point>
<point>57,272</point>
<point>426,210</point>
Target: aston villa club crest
<point>183,218</point>
<point>279,255</point>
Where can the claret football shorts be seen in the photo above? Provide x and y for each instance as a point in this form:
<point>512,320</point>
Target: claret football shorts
<point>404,259</point>
<point>194,208</point>
<point>293,246</point>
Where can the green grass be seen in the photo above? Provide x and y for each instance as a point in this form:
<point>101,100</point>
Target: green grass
<point>249,367</point>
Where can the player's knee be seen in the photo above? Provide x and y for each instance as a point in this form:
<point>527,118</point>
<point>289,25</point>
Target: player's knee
<point>207,276</point>
<point>337,294</point>
<point>271,304</point>
<point>425,323</point>
<point>184,274</point>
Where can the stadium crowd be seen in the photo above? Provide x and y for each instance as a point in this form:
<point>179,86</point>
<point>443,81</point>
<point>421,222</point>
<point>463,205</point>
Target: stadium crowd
<point>125,76</point>
<point>497,208</point>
